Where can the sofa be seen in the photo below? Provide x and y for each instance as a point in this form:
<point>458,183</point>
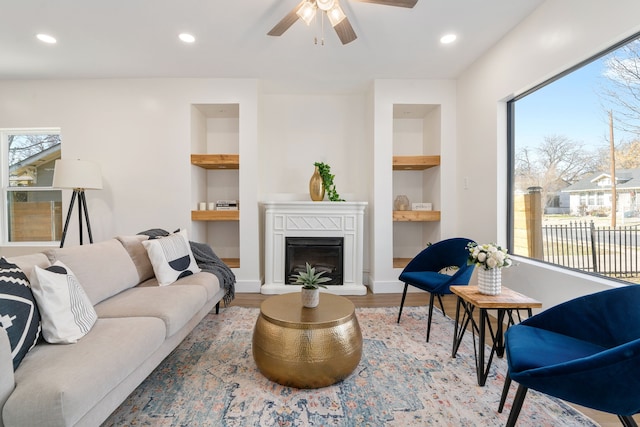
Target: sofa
<point>138,324</point>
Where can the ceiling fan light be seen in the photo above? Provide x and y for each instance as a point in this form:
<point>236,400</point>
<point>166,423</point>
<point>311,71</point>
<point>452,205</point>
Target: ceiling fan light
<point>306,12</point>
<point>325,4</point>
<point>336,14</point>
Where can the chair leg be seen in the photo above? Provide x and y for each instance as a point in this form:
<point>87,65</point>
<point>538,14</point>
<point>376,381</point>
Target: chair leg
<point>627,421</point>
<point>441,304</point>
<point>404,295</point>
<point>505,391</point>
<point>517,405</point>
<point>431,296</point>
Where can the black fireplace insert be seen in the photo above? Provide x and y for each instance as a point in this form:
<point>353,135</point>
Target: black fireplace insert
<point>322,253</point>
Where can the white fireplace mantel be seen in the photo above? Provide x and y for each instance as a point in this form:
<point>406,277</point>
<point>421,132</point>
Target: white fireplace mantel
<point>313,219</point>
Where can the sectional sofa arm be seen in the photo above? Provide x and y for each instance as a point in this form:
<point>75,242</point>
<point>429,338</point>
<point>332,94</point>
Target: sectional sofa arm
<point>7,381</point>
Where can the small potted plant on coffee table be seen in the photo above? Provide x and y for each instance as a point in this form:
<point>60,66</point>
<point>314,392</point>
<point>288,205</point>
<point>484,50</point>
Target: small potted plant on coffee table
<point>311,283</point>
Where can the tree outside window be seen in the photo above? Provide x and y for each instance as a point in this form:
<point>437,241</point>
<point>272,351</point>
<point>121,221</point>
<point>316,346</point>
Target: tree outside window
<point>575,167</point>
<point>32,210</point>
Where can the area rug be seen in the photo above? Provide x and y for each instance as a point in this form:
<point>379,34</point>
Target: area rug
<point>212,380</point>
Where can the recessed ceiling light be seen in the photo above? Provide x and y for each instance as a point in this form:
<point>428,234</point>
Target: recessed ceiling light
<point>187,38</point>
<point>448,38</point>
<point>46,38</point>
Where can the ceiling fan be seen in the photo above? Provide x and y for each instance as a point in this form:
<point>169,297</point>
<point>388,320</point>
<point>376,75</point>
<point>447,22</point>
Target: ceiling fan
<point>306,11</point>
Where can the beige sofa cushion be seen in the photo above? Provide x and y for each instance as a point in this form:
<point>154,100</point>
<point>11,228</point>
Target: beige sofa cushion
<point>57,385</point>
<point>138,253</point>
<point>208,281</point>
<point>175,305</point>
<point>27,262</point>
<point>103,269</point>
<point>6,369</point>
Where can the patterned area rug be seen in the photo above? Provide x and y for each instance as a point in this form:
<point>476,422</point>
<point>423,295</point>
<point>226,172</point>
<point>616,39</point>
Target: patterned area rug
<point>212,380</point>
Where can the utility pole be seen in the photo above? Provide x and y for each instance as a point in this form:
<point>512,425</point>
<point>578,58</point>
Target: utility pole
<point>614,195</point>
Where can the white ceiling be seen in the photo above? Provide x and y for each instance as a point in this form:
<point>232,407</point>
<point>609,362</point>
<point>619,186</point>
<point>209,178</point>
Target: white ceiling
<point>138,38</point>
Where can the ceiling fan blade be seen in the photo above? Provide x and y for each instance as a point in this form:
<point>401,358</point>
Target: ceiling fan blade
<point>286,22</point>
<point>398,3</point>
<point>345,31</point>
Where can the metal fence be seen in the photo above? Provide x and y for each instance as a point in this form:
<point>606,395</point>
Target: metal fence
<point>611,251</point>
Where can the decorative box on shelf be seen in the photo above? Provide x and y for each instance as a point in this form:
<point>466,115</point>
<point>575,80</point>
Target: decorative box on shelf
<point>421,206</point>
<point>226,205</point>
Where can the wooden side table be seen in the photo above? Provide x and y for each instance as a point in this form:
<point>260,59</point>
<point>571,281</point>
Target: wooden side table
<point>307,347</point>
<point>508,301</point>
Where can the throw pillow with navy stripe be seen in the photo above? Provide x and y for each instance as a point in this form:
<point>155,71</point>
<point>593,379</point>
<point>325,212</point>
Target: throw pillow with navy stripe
<point>67,313</point>
<point>19,314</point>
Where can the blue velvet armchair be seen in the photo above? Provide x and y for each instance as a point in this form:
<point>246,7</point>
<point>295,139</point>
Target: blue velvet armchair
<point>424,271</point>
<point>585,351</point>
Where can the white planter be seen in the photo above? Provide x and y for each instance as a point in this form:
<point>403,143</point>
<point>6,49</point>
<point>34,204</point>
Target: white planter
<point>490,281</point>
<point>310,297</point>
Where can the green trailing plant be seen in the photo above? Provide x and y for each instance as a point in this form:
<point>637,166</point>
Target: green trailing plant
<point>327,181</point>
<point>309,279</point>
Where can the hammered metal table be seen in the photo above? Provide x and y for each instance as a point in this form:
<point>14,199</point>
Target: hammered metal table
<point>307,347</point>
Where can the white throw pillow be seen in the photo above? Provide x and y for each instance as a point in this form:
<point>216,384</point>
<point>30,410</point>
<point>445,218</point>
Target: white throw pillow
<point>67,314</point>
<point>450,270</point>
<point>171,257</point>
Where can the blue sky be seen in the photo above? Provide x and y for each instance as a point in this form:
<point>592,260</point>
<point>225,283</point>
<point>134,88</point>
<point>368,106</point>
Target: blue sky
<point>569,107</point>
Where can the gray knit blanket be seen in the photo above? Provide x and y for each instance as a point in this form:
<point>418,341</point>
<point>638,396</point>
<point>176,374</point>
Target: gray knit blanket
<point>208,261</point>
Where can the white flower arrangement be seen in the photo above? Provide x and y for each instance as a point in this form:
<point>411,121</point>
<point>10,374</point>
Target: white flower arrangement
<point>488,256</point>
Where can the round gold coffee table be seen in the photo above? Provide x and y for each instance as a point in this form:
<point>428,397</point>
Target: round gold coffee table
<point>307,347</point>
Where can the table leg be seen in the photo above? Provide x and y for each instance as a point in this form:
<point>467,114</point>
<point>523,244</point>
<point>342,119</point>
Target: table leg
<point>499,338</point>
<point>482,377</point>
<point>461,325</point>
<point>456,342</point>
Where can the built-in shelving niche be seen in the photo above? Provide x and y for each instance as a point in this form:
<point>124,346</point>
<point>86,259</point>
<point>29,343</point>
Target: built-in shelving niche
<point>215,151</point>
<point>416,174</point>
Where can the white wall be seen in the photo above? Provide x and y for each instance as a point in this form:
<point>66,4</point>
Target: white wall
<point>298,130</point>
<point>143,131</point>
<point>140,132</point>
<point>558,35</point>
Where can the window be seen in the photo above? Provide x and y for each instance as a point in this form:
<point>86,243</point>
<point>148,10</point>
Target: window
<point>574,150</point>
<point>32,210</point>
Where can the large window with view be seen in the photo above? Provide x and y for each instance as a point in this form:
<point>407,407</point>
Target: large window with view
<point>32,210</point>
<point>574,150</point>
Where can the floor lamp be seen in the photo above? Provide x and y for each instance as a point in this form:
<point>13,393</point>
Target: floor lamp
<point>78,175</point>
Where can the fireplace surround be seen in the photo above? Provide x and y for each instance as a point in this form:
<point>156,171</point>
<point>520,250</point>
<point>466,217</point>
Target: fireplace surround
<point>307,219</point>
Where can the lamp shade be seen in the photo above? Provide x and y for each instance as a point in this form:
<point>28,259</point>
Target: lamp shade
<point>77,174</point>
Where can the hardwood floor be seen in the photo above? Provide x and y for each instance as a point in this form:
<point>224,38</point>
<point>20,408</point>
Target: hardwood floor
<point>418,299</point>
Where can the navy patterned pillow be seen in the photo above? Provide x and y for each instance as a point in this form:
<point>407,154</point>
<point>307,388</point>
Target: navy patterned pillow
<point>19,314</point>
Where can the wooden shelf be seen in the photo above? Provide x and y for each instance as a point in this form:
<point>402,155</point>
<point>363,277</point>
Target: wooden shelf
<point>231,262</point>
<point>216,161</point>
<point>415,162</point>
<point>401,262</point>
<point>215,215</point>
<point>416,216</point>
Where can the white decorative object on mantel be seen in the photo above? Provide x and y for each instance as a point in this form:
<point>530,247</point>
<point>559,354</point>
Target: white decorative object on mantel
<point>313,219</point>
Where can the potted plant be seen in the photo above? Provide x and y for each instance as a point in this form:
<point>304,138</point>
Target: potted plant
<point>311,283</point>
<point>490,259</point>
<point>327,181</point>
